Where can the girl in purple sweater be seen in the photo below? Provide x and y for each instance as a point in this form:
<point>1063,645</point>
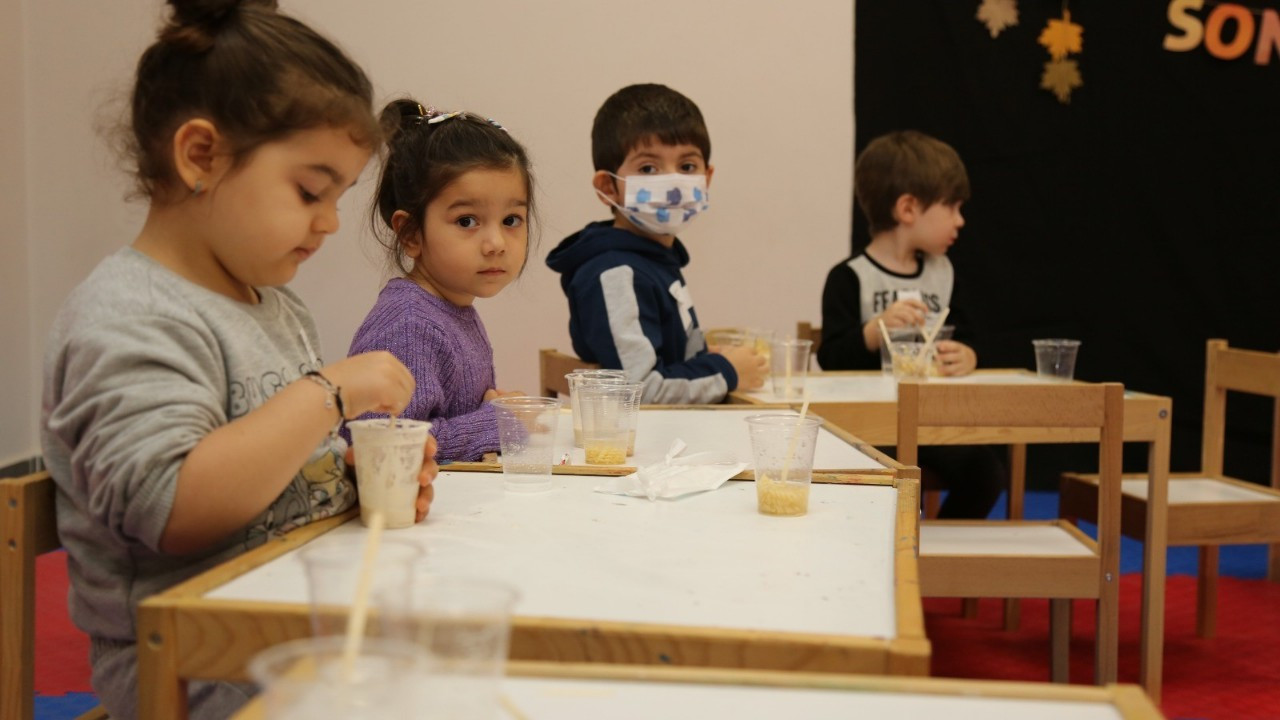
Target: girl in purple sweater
<point>452,211</point>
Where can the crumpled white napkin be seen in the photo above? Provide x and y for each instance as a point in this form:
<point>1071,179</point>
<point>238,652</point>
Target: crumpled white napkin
<point>676,476</point>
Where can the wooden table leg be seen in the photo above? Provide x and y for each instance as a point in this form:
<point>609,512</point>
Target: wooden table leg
<point>162,695</point>
<point>1017,504</point>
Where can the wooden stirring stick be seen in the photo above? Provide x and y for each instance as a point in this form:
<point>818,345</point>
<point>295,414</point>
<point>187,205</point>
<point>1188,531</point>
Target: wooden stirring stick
<point>930,336</point>
<point>360,606</point>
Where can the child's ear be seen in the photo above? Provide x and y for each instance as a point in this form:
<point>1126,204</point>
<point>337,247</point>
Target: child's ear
<point>710,169</point>
<point>411,242</point>
<point>607,187</point>
<point>906,209</point>
<point>195,154</point>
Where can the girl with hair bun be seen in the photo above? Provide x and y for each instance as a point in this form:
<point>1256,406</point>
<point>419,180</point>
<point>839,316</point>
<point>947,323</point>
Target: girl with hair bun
<point>186,415</point>
<point>452,211</point>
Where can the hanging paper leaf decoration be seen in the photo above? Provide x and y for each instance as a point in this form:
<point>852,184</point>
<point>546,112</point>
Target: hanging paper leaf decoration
<point>1061,77</point>
<point>998,14</point>
<point>1062,37</point>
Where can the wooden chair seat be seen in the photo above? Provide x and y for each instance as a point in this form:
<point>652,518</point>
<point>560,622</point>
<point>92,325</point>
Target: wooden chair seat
<point>1193,489</point>
<point>1207,508</point>
<point>1202,510</point>
<point>1049,538</point>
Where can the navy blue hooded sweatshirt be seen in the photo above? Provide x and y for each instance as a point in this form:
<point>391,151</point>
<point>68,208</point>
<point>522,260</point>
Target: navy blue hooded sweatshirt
<point>629,308</point>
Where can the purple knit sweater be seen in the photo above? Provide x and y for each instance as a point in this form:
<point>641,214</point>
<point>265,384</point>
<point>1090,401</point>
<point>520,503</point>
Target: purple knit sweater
<point>448,352</point>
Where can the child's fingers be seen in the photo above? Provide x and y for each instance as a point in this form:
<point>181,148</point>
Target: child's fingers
<point>423,504</point>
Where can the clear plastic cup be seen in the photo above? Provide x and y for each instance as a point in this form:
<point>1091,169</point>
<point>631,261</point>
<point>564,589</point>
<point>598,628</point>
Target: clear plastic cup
<point>464,625</point>
<point>307,680</point>
<point>388,460</point>
<point>782,448</point>
<point>789,366</point>
<point>762,340</point>
<point>333,572</point>
<point>911,360</point>
<point>588,377</point>
<point>1056,358</point>
<point>944,333</point>
<point>527,434</point>
<point>609,414</point>
<point>728,337</point>
<point>896,335</point>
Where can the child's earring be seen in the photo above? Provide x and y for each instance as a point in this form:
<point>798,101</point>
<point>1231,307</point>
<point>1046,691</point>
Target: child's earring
<point>199,188</point>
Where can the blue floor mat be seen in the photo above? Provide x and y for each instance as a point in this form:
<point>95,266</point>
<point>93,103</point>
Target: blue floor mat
<point>64,707</point>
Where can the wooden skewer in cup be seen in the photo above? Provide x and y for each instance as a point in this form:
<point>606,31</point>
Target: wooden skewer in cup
<point>786,377</point>
<point>795,437</point>
<point>884,333</point>
<point>931,336</point>
<point>359,615</point>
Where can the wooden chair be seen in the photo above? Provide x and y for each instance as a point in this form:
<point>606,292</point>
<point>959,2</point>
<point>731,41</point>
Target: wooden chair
<point>1012,558</point>
<point>553,365</point>
<point>813,333</point>
<point>29,529</point>
<point>1207,508</point>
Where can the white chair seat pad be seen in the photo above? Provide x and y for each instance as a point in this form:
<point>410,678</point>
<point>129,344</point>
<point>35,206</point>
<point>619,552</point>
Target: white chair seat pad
<point>1199,490</point>
<point>999,539</point>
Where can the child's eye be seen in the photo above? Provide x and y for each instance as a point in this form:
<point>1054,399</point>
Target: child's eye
<point>690,167</point>
<point>306,196</point>
<point>467,222</point>
<point>648,169</point>
<point>513,221</point>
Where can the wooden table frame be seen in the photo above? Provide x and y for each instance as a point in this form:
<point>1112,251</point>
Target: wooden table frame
<point>182,635</point>
<point>1128,700</point>
<point>821,475</point>
<point>1147,419</point>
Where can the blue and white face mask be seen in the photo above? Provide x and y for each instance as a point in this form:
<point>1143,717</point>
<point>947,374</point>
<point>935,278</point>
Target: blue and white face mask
<point>663,204</point>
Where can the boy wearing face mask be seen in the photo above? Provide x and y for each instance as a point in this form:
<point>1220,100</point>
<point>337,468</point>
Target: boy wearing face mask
<point>629,306</point>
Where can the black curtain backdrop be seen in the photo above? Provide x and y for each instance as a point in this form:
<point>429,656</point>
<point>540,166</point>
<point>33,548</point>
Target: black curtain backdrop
<point>1143,218</point>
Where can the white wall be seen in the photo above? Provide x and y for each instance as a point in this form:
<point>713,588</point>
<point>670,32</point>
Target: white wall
<point>17,427</point>
<point>774,83</point>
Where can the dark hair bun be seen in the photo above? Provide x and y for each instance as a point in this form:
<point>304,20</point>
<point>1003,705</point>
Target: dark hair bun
<point>400,113</point>
<point>211,13</point>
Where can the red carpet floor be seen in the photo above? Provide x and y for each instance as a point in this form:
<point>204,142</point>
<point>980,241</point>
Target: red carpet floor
<point>1233,676</point>
<point>62,651</point>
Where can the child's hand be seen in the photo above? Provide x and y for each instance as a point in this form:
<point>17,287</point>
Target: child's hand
<point>904,313</point>
<point>427,476</point>
<point>494,394</point>
<point>955,358</point>
<point>750,366</point>
<point>371,382</point>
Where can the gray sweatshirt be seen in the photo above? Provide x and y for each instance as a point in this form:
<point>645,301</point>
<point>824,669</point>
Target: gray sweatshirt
<point>141,365</point>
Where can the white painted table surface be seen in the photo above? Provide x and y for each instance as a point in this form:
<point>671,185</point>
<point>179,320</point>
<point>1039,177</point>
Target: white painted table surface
<point>562,699</point>
<point>870,387</point>
<point>723,429</point>
<point>703,560</point>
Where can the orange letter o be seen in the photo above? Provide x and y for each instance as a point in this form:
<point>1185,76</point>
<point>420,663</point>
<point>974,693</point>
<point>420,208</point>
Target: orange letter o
<point>1213,31</point>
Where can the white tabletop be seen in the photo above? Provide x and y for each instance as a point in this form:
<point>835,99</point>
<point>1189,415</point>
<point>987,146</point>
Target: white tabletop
<point>722,429</point>
<point>622,700</point>
<point>702,560</point>
<point>871,387</point>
